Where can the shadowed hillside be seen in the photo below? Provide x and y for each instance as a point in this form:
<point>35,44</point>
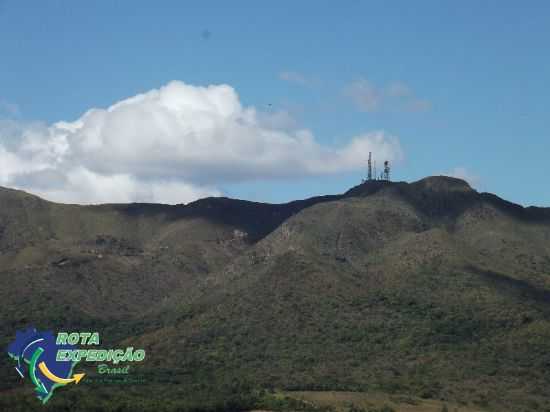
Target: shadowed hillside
<point>426,289</point>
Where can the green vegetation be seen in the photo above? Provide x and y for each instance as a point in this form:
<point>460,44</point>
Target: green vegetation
<point>431,294</point>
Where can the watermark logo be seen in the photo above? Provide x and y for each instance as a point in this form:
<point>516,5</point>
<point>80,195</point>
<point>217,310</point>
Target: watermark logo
<point>36,356</point>
<point>49,361</point>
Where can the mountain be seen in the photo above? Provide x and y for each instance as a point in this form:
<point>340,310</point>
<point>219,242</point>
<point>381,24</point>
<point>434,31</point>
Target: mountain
<point>428,290</point>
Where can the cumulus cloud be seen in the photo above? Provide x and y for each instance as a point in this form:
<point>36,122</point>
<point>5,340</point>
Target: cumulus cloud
<point>368,97</point>
<point>173,145</point>
<point>464,174</point>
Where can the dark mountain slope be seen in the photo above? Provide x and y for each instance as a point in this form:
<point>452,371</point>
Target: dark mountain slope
<point>393,291</point>
<point>148,250</point>
<point>428,288</point>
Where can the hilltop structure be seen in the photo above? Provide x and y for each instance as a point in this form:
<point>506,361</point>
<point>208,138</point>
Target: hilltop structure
<point>371,171</point>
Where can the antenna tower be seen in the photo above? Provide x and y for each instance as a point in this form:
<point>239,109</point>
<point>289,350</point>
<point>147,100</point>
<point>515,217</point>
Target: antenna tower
<point>369,176</point>
<point>386,173</point>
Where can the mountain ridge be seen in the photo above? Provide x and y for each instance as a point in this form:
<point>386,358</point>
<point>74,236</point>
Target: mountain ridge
<point>441,184</point>
<point>427,288</point>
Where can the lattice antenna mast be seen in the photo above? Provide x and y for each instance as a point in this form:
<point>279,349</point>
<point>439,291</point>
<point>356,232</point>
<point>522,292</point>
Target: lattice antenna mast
<point>369,176</point>
<point>386,173</point>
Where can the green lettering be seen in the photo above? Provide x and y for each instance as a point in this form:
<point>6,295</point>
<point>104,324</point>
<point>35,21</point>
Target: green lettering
<point>128,356</point>
<point>62,355</point>
<point>61,338</point>
<point>71,355</point>
<point>139,355</point>
<point>94,339</point>
<point>117,356</point>
<point>84,337</point>
<point>81,353</point>
<point>73,338</point>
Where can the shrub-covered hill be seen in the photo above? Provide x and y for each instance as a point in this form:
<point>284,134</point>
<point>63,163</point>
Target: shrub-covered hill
<point>427,289</point>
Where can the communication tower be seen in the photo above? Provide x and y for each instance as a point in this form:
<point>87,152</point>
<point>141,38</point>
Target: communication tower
<point>386,172</point>
<point>369,176</point>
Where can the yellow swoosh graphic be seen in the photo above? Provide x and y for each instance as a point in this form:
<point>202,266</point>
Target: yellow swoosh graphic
<point>44,369</point>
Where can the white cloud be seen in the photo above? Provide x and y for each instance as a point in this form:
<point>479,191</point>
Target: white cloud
<point>464,174</point>
<point>83,186</point>
<point>368,97</point>
<point>398,89</point>
<point>173,145</point>
<point>299,78</point>
<point>280,119</point>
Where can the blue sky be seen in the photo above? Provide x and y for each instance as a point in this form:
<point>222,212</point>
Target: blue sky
<point>463,86</point>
